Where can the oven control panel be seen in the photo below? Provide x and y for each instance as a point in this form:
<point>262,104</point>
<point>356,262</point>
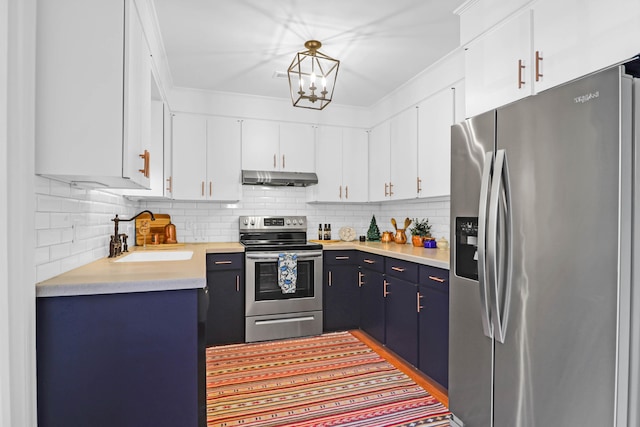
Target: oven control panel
<point>273,222</point>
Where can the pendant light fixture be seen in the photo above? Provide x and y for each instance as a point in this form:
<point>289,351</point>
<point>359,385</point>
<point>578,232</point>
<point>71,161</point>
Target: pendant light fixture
<point>312,77</point>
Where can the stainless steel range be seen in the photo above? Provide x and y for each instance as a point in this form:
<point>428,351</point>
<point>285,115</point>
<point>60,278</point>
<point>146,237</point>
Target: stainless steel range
<point>272,312</point>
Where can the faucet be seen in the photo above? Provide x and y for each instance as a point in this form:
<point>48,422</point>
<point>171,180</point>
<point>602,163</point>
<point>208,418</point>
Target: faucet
<point>118,242</point>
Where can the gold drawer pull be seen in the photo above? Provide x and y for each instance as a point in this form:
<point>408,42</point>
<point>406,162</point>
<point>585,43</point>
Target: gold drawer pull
<point>400,269</point>
<point>437,279</point>
<point>237,283</point>
<point>330,279</point>
<point>385,292</point>
<point>223,262</point>
<point>419,297</point>
<point>369,261</point>
<point>342,257</point>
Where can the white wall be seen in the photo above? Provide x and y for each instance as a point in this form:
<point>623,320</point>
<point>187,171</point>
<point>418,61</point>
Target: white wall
<point>218,222</point>
<point>73,225</point>
<point>17,275</point>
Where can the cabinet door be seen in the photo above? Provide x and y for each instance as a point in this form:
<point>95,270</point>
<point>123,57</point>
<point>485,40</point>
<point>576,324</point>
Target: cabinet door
<point>223,159</point>
<point>189,157</point>
<point>491,65</point>
<point>225,317</point>
<point>433,330</point>
<point>341,298</point>
<point>402,319</point>
<point>260,140</point>
<point>578,37</point>
<point>297,148</point>
<point>379,163</point>
<point>329,164</point>
<point>372,303</point>
<point>435,117</point>
<point>137,100</point>
<point>355,149</point>
<point>403,162</point>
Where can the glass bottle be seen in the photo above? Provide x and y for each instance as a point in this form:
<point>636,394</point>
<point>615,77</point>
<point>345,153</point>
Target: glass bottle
<point>320,232</point>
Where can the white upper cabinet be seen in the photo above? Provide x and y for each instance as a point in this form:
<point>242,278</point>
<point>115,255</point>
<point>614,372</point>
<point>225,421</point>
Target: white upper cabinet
<point>498,65</point>
<point>379,162</point>
<point>576,37</point>
<point>272,146</point>
<point>435,117</point>
<point>92,88</point>
<point>546,44</point>
<point>403,162</point>
<point>341,166</point>
<point>206,158</point>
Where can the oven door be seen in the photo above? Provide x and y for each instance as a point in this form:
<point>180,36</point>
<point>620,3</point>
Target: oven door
<point>264,296</point>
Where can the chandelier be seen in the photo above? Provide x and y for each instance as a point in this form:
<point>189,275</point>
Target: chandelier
<point>312,77</point>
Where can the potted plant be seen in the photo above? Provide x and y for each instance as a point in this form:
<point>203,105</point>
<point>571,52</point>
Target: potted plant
<point>420,231</point>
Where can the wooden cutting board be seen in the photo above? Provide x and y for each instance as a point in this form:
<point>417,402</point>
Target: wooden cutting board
<point>156,226</point>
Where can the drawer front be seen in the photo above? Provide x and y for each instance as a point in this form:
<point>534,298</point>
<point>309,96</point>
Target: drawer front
<point>231,261</point>
<point>340,257</point>
<point>371,261</point>
<point>436,278</point>
<point>401,269</point>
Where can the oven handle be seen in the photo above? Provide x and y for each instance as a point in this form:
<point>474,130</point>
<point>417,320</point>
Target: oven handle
<point>274,256</point>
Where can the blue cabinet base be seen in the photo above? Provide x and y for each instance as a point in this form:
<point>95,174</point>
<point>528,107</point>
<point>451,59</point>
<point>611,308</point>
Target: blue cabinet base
<point>119,360</point>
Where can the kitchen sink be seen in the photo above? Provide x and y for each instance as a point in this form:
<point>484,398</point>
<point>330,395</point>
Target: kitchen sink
<point>157,256</point>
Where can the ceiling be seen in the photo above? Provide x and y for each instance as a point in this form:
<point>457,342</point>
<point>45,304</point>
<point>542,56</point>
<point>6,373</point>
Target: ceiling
<point>238,45</point>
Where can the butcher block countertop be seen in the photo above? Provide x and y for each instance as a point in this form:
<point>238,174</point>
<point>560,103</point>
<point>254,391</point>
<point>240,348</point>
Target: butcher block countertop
<point>426,256</point>
<point>105,276</point>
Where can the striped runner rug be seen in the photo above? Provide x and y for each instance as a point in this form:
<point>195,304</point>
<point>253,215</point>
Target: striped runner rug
<point>328,380</point>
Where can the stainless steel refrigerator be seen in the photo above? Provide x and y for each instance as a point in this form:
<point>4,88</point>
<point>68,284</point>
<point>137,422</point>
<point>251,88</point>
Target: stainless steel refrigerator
<point>543,297</point>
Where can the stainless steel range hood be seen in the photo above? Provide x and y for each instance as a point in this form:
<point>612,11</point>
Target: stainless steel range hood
<point>275,178</point>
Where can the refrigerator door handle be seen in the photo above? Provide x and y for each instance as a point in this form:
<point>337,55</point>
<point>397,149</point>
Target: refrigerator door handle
<point>498,255</point>
<point>485,312</point>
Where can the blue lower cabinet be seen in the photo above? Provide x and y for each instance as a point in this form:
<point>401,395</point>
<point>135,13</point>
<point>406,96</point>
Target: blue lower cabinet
<point>341,294</point>
<point>125,360</point>
<point>434,324</point>
<point>226,283</point>
<point>402,319</point>
<point>372,304</point>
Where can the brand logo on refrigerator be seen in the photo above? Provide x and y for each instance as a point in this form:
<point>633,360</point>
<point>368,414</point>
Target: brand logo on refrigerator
<point>586,98</point>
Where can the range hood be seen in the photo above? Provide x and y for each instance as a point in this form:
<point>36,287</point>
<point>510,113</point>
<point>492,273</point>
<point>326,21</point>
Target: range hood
<point>290,179</point>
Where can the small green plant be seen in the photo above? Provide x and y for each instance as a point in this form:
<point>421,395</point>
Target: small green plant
<point>421,227</point>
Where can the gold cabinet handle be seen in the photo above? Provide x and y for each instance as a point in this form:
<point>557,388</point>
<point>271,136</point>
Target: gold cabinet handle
<point>346,192</point>
<point>340,192</point>
<point>418,298</point>
<point>419,184</point>
<point>538,60</point>
<point>210,188</point>
<point>283,164</point>
<point>400,269</point>
<point>170,182</point>
<point>274,161</point>
<point>437,279</point>
<point>330,279</point>
<point>390,189</point>
<point>202,188</point>
<point>360,276</point>
<point>223,262</point>
<point>369,261</point>
<point>520,68</point>
<point>385,292</point>
<point>237,283</point>
<point>145,169</point>
<point>386,191</point>
<point>342,257</point>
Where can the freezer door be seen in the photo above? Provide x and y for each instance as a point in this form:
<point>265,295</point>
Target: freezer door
<point>470,351</point>
<point>557,365</point>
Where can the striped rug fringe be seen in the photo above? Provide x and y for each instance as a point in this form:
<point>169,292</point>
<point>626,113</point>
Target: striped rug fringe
<point>328,380</point>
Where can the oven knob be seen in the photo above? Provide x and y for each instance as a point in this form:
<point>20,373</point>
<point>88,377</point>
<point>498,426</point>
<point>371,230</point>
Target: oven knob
<point>301,221</point>
<point>246,221</point>
<point>288,222</point>
<point>295,221</point>
<point>253,221</point>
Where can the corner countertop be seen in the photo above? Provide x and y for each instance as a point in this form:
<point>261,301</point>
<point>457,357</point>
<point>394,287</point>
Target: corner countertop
<point>426,256</point>
<point>105,276</point>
